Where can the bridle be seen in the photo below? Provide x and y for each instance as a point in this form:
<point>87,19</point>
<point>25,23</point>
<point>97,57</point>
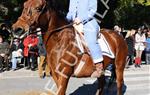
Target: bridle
<point>63,27</point>
<point>30,23</point>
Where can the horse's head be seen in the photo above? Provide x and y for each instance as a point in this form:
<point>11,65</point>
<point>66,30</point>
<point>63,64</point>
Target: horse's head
<point>29,17</point>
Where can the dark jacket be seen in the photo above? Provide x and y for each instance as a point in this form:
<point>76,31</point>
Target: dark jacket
<point>5,34</point>
<point>4,48</point>
<point>41,46</point>
<point>15,47</point>
<point>130,42</point>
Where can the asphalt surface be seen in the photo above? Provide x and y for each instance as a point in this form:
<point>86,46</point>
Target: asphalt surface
<point>26,82</point>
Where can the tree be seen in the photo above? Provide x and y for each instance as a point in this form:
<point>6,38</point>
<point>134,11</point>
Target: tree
<point>132,13</point>
<point>12,10</point>
<point>127,13</point>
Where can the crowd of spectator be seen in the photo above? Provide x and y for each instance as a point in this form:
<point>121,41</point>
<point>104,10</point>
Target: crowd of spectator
<point>31,53</point>
<point>22,52</point>
<point>138,42</point>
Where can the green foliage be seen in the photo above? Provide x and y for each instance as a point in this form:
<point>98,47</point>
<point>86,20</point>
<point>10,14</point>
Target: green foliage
<point>127,13</point>
<point>144,2</point>
<point>132,13</point>
<point>14,9</point>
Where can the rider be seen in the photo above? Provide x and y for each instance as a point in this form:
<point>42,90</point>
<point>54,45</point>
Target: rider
<point>82,12</point>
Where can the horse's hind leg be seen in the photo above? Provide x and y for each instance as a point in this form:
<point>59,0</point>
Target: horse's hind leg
<point>119,81</point>
<point>101,84</point>
<point>120,65</point>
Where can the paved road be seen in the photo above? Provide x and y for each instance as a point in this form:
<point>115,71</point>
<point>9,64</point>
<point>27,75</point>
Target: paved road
<point>25,82</point>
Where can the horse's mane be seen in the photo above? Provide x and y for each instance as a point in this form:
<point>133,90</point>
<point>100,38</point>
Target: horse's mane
<point>59,7</point>
<point>59,19</point>
<point>53,7</point>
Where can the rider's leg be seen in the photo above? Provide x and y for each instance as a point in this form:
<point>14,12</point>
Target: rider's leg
<point>90,34</point>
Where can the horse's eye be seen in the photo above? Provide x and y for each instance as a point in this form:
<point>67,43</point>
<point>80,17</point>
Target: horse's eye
<point>38,9</point>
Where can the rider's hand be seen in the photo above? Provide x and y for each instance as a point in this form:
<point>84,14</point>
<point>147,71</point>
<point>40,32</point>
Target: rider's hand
<point>77,21</point>
<point>78,25</point>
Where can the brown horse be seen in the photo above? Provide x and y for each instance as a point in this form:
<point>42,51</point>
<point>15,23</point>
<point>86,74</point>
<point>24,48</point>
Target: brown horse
<point>63,54</point>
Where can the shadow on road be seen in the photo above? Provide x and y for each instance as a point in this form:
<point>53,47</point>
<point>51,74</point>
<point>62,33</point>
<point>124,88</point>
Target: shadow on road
<point>90,89</point>
<point>86,89</point>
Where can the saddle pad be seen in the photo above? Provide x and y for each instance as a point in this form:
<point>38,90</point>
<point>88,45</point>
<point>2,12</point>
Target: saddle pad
<point>106,50</point>
<point>105,47</point>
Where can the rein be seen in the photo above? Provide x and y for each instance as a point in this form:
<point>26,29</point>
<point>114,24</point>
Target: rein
<point>57,30</point>
<point>65,26</point>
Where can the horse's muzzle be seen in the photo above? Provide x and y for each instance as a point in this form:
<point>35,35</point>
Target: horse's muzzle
<point>18,32</point>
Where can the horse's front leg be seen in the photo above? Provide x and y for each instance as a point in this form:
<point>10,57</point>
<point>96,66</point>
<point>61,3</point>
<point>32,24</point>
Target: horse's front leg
<point>63,82</point>
<point>63,77</point>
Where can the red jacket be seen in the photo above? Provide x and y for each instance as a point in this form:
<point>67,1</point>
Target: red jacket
<point>31,39</point>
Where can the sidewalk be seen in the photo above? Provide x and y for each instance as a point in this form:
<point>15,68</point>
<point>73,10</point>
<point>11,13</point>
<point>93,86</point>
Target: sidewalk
<point>22,73</point>
<point>143,68</point>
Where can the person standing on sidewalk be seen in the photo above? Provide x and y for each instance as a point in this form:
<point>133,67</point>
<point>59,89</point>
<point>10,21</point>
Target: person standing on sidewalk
<point>147,50</point>
<point>130,42</point>
<point>140,39</point>
<point>42,55</point>
<point>31,51</point>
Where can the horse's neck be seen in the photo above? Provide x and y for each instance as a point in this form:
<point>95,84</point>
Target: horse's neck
<point>56,21</point>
